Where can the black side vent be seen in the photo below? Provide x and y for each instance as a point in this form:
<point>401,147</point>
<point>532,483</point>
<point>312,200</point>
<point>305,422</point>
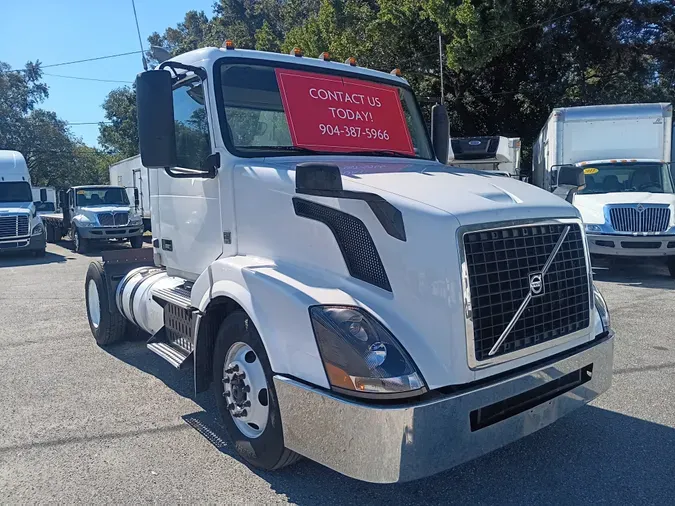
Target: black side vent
<point>357,246</point>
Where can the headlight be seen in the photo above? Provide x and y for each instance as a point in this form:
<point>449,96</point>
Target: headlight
<point>361,356</point>
<point>38,229</point>
<point>135,219</point>
<point>593,228</point>
<point>601,306</point>
<point>83,221</point>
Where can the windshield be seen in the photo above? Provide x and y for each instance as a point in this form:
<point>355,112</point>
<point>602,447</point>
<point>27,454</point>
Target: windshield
<point>627,177</point>
<point>43,207</point>
<point>17,191</point>
<point>89,197</point>
<point>269,111</point>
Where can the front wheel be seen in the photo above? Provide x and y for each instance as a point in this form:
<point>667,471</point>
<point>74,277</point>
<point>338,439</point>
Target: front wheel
<point>80,244</point>
<point>245,395</point>
<point>136,242</point>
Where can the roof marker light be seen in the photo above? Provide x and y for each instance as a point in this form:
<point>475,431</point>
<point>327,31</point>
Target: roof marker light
<point>229,44</point>
<point>351,61</point>
<point>396,72</point>
<point>325,56</point>
<point>297,51</point>
<point>612,161</point>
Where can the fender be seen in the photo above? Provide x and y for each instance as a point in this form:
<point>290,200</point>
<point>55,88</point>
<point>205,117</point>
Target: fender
<point>274,300</point>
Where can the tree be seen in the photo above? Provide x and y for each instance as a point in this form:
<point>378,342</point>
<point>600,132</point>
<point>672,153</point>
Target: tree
<point>120,136</point>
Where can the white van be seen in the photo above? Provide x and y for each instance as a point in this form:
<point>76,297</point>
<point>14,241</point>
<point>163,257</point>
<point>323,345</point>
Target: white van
<point>21,228</point>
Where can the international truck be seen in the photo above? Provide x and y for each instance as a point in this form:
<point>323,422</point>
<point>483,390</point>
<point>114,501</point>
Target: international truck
<point>95,213</point>
<point>345,295</point>
<point>21,228</point>
<point>131,174</point>
<point>496,154</point>
<point>628,203</point>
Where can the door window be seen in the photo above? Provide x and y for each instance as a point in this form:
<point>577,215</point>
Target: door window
<point>192,126</point>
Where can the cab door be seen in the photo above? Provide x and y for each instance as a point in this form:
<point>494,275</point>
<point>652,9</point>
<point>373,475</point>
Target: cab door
<point>189,236</point>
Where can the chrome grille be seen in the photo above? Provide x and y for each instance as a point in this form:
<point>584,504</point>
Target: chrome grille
<point>13,226</point>
<point>121,218</point>
<point>640,218</point>
<point>105,219</point>
<point>499,266</point>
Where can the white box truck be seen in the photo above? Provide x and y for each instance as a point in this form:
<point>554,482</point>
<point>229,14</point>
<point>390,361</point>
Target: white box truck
<point>21,228</point>
<point>499,155</point>
<point>131,174</point>
<point>628,204</point>
<point>345,295</point>
<point>44,199</point>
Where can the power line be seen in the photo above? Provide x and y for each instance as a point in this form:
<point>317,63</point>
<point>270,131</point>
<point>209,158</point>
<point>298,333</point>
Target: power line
<point>89,59</point>
<point>88,78</point>
<point>80,123</point>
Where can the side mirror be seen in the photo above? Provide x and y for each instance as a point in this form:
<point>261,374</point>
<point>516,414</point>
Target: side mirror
<point>440,132</point>
<point>137,200</point>
<point>156,129</point>
<point>43,195</point>
<point>571,179</point>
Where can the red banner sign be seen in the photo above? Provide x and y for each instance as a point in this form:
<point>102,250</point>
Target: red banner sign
<point>331,113</point>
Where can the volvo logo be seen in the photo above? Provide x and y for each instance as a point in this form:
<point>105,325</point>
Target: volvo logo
<point>536,283</point>
<point>640,208</point>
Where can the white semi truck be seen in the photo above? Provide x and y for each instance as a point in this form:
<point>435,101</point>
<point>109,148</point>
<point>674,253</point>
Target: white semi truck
<point>21,228</point>
<point>345,295</point>
<point>628,204</point>
<point>496,154</point>
<point>44,199</point>
<point>131,174</point>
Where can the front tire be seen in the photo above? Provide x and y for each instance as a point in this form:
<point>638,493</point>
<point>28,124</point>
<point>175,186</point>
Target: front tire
<point>51,234</point>
<point>245,395</point>
<point>106,326</point>
<point>136,242</point>
<point>80,244</point>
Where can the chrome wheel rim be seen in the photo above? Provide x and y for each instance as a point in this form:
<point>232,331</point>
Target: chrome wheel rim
<point>93,304</point>
<point>245,390</point>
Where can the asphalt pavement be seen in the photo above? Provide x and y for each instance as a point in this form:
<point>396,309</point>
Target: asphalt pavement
<point>80,424</point>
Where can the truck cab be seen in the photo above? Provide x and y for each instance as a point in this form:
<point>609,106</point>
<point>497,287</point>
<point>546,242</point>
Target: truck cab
<point>21,228</point>
<point>346,296</point>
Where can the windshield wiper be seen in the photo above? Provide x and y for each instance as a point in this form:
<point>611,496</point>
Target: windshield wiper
<point>294,149</point>
<point>377,152</point>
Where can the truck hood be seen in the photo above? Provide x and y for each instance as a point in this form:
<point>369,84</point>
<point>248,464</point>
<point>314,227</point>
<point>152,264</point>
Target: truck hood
<point>592,207</point>
<point>471,196</point>
<point>15,207</point>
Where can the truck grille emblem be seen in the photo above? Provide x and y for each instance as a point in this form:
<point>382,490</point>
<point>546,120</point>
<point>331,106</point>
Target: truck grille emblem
<point>536,283</point>
<point>640,208</point>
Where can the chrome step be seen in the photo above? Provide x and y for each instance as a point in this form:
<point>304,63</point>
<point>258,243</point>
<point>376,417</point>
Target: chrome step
<point>178,296</point>
<point>175,355</point>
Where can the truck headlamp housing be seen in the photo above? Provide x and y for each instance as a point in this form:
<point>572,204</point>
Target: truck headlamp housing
<point>360,356</point>
<point>591,228</point>
<point>38,229</point>
<point>601,306</point>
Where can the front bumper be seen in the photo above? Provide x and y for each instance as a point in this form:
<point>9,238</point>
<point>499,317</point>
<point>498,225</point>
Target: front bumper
<point>31,243</point>
<point>631,245</point>
<point>110,232</point>
<point>386,444</point>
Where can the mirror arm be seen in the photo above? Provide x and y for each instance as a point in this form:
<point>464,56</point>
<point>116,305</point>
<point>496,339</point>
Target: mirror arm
<point>175,66</point>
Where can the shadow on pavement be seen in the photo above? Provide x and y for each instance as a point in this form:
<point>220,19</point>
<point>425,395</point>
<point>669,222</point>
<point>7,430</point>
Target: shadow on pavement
<point>16,259</point>
<point>592,455</point>
<point>643,272</point>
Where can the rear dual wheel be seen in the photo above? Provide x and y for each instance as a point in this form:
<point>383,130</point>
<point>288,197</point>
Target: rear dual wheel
<point>245,395</point>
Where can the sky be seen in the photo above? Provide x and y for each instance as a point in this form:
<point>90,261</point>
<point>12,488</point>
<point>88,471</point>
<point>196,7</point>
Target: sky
<point>55,31</point>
